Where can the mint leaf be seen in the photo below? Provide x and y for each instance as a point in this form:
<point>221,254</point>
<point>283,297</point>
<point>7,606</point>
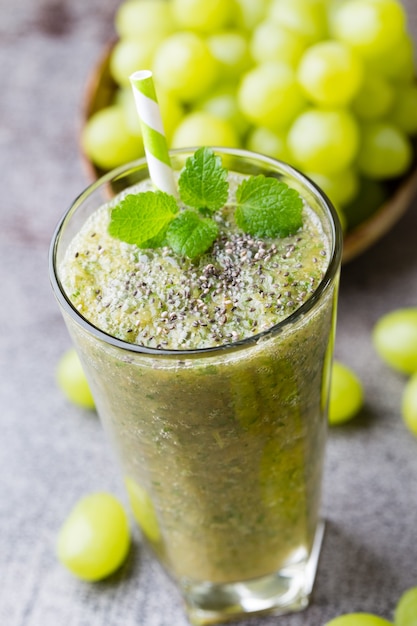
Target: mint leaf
<point>267,207</point>
<point>191,235</point>
<point>142,216</point>
<point>203,181</point>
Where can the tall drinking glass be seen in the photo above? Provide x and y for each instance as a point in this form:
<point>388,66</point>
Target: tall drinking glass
<point>221,448</point>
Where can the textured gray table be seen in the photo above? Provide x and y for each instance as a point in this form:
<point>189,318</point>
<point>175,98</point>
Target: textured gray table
<point>51,453</point>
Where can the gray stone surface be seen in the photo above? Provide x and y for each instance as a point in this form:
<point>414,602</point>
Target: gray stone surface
<point>52,453</point>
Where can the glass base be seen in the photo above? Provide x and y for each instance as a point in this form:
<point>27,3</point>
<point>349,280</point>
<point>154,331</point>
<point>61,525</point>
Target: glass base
<point>285,591</point>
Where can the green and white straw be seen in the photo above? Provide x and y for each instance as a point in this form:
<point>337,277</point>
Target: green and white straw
<point>154,139</point>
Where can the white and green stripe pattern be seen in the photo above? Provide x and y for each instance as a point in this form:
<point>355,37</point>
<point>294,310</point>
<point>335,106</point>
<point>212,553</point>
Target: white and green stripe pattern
<point>154,139</point>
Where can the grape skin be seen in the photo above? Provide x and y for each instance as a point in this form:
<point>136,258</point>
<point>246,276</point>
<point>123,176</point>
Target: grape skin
<point>395,339</point>
<point>330,73</point>
<point>406,609</point>
<point>72,381</point>
<point>201,129</point>
<point>94,540</point>
<point>346,394</point>
<point>324,141</point>
<point>358,619</point>
<point>270,96</point>
<point>108,140</point>
<point>385,151</point>
<point>409,412</point>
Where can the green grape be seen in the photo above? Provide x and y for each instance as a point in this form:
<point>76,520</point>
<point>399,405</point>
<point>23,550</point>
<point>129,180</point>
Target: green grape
<point>403,113</point>
<point>270,96</point>
<point>358,619</point>
<point>125,99</point>
<point>341,187</point>
<point>107,139</point>
<point>201,15</point>
<point>305,17</point>
<point>171,110</point>
<point>143,509</point>
<point>137,19</point>
<point>72,381</point>
<point>385,151</point>
<point>231,51</point>
<point>273,42</point>
<point>94,540</point>
<point>184,66</point>
<point>265,141</point>
<point>324,141</point>
<point>346,394</point>
<point>204,129</point>
<point>395,339</point>
<point>250,13</point>
<point>130,54</point>
<point>370,27</point>
<point>370,197</point>
<point>223,104</point>
<point>330,73</point>
<point>409,413</point>
<point>397,63</point>
<point>406,609</point>
<point>374,98</point>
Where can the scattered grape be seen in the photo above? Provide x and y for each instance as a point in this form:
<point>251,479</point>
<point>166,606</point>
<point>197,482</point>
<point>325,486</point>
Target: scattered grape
<point>72,381</point>
<point>324,141</point>
<point>330,73</point>
<point>107,139</point>
<point>94,540</point>
<point>358,619</point>
<point>184,66</point>
<point>270,96</point>
<point>409,408</point>
<point>395,339</point>
<point>385,151</point>
<point>346,394</point>
<point>406,609</point>
<point>143,509</point>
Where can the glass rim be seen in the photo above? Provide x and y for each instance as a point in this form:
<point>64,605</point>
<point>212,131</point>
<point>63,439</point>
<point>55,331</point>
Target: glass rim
<point>323,286</point>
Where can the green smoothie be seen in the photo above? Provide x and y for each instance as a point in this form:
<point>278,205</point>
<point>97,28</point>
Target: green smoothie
<point>211,377</point>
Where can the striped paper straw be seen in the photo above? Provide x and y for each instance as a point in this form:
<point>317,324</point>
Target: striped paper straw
<point>154,140</point>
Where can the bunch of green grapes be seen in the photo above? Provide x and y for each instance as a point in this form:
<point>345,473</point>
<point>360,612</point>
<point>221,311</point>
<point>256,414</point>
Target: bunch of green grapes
<point>327,85</point>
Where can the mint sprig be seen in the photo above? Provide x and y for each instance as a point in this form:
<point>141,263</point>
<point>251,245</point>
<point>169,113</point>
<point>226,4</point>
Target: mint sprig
<point>142,216</point>
<point>203,181</point>
<point>191,235</point>
<point>265,207</point>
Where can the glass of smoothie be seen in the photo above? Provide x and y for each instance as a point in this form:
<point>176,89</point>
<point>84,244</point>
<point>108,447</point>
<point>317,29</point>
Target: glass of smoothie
<point>211,378</point>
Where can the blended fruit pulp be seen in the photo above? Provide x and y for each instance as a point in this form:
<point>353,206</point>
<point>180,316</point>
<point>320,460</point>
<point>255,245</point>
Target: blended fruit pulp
<point>222,450</point>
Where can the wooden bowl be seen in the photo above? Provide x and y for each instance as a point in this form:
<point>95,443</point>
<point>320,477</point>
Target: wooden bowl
<point>100,91</point>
